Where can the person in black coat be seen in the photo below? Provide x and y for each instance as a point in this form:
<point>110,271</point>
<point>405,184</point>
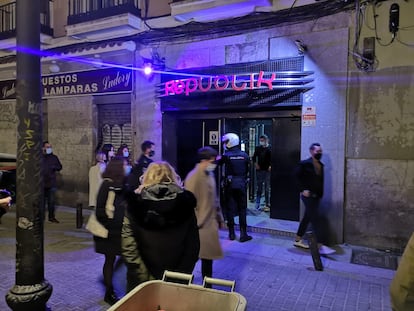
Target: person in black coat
<point>140,165</point>
<point>160,227</point>
<point>310,176</point>
<point>51,165</point>
<point>110,208</point>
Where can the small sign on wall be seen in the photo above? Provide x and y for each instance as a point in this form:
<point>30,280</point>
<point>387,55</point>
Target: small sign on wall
<point>309,116</point>
<point>213,138</point>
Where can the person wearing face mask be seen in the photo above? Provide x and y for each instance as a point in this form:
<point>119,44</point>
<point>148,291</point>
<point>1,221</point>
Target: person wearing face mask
<point>51,165</point>
<point>147,148</point>
<point>262,159</point>
<point>201,182</point>
<point>310,176</point>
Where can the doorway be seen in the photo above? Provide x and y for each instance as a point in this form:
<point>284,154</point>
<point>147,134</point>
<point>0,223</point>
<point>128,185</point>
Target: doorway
<point>184,134</point>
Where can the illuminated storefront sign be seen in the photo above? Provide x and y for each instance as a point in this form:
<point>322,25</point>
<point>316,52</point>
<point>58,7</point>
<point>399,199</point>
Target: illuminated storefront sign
<point>252,81</point>
<point>92,82</point>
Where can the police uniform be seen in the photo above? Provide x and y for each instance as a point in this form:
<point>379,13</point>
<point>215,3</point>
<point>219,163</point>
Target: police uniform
<point>236,168</point>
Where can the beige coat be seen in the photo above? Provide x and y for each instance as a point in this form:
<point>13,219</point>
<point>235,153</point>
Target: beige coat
<point>95,181</point>
<point>402,286</point>
<point>208,211</point>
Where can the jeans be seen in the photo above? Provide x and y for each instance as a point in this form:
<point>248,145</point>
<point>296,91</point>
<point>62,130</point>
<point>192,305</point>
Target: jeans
<point>263,177</point>
<point>49,200</point>
<point>311,216</point>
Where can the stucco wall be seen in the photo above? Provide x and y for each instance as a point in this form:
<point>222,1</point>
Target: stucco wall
<point>8,127</point>
<point>70,131</point>
<point>380,140</point>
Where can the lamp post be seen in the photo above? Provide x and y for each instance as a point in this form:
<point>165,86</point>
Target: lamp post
<point>31,291</point>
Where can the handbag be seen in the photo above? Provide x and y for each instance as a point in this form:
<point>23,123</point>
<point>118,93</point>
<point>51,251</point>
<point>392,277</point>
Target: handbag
<point>95,227</point>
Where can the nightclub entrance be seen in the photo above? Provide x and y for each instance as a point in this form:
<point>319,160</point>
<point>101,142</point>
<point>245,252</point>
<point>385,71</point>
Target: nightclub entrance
<point>183,134</point>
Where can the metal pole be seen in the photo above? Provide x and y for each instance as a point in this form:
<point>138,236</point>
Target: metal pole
<point>31,290</point>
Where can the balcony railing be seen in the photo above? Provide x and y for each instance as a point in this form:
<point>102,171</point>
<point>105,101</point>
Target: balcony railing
<point>88,10</point>
<point>8,20</point>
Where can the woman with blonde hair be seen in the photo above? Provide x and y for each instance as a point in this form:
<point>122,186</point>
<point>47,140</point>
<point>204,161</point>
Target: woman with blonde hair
<point>160,227</point>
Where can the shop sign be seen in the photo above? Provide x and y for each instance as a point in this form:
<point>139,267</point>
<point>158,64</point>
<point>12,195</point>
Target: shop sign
<point>92,82</point>
<point>309,116</point>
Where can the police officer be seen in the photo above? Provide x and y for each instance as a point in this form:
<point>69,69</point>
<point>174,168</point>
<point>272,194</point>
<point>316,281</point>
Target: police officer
<point>236,168</point>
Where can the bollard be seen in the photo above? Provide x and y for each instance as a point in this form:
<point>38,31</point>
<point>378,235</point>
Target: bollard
<point>79,217</point>
<point>316,257</point>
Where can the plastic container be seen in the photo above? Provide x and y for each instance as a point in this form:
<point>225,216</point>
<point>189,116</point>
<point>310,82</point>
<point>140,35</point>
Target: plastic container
<point>179,297</point>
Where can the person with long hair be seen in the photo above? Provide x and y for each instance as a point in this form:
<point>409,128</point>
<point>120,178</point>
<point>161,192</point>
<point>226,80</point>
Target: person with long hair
<point>95,177</point>
<point>160,227</point>
<point>110,207</point>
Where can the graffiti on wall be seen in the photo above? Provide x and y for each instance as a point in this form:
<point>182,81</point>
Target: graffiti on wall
<point>116,134</point>
<point>7,112</point>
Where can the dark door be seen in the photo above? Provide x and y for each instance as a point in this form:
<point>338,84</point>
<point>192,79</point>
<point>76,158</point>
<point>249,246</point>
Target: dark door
<point>193,134</point>
<point>285,156</point>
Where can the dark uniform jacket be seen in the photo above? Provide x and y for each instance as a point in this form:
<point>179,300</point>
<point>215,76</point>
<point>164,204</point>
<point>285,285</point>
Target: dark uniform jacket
<point>236,167</point>
<point>308,179</point>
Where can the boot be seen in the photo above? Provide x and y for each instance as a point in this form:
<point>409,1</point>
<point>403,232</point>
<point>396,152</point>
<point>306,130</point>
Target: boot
<point>244,237</point>
<point>110,297</point>
<point>232,234</point>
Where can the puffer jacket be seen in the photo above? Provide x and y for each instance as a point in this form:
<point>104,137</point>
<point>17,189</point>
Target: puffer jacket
<point>159,233</point>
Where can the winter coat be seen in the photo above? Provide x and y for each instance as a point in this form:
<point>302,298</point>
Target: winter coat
<point>208,212</point>
<point>110,211</point>
<point>159,233</point>
<point>51,165</point>
<point>95,181</point>
<point>402,286</point>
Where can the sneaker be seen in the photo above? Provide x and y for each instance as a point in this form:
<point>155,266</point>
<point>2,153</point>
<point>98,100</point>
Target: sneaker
<point>266,208</point>
<point>54,220</point>
<point>258,207</point>
<point>301,244</point>
<point>325,250</point>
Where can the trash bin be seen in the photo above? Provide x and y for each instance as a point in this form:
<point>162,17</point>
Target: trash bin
<point>169,296</point>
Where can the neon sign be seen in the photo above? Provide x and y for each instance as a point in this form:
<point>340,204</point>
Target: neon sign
<point>219,83</point>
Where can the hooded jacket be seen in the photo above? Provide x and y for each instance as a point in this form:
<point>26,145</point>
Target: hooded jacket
<point>160,233</point>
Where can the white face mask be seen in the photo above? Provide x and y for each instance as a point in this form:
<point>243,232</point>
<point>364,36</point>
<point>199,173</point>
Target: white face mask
<point>126,154</point>
<point>262,143</point>
<point>49,150</point>
<point>211,167</point>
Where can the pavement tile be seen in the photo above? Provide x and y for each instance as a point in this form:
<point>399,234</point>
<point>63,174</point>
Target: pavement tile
<point>269,272</point>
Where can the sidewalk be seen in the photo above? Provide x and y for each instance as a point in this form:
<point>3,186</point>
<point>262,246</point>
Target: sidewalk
<point>269,272</point>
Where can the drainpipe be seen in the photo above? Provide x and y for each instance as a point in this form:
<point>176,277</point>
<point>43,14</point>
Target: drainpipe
<point>31,291</point>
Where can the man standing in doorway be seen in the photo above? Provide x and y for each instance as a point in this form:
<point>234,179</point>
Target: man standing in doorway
<point>310,176</point>
<point>51,166</point>
<point>262,159</point>
<point>236,168</point>
<point>147,148</point>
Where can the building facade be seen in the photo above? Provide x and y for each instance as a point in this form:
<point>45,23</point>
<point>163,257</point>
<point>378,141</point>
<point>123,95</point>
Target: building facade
<point>343,77</point>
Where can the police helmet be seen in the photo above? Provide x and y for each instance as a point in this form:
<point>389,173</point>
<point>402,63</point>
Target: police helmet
<point>230,140</point>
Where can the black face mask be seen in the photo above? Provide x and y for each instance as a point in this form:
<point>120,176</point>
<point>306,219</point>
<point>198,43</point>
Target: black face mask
<point>318,156</point>
<point>151,153</point>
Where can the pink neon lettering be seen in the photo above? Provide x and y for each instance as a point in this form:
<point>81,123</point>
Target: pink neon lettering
<point>235,87</point>
<point>188,83</point>
<point>169,87</point>
<point>179,87</point>
<point>260,80</point>
<point>252,81</point>
<point>200,85</point>
<point>217,80</point>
